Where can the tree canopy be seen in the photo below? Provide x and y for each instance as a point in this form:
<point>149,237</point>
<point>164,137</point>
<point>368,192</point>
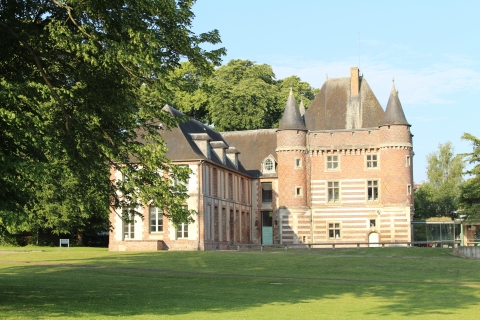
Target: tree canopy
<point>438,196</point>
<point>470,191</point>
<point>82,84</point>
<point>240,95</point>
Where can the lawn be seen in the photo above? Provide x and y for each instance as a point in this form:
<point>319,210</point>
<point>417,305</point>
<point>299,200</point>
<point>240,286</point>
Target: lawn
<point>386,283</point>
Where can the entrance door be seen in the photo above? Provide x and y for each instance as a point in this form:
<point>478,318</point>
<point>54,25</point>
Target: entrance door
<point>373,239</point>
<point>267,227</point>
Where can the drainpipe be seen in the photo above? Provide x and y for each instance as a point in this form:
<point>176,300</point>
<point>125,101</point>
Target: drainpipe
<point>199,164</point>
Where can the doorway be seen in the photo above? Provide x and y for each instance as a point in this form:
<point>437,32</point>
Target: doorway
<point>267,227</point>
<point>373,239</point>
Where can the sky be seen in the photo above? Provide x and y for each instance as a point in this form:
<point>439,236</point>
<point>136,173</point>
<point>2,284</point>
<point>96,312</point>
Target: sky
<point>430,48</point>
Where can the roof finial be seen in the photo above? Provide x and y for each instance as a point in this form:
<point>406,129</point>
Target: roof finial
<point>393,80</point>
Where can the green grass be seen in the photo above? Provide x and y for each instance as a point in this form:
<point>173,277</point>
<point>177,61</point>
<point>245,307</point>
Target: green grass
<point>423,283</point>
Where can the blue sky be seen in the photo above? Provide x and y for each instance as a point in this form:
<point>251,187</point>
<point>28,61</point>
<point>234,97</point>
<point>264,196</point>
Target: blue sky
<point>431,48</point>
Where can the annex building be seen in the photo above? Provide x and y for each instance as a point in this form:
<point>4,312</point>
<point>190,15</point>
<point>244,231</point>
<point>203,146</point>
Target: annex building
<point>339,172</point>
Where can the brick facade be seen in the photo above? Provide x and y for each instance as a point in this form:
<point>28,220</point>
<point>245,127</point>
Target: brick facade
<point>353,184</point>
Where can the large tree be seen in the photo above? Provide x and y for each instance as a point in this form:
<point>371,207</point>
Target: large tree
<point>470,190</point>
<point>438,196</point>
<point>244,95</point>
<point>81,91</point>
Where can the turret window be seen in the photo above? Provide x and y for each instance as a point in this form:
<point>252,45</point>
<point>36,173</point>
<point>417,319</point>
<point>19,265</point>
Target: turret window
<point>298,192</point>
<point>372,161</point>
<point>298,162</point>
<point>407,161</point>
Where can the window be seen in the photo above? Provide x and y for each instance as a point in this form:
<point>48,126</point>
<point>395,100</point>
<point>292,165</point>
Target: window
<point>242,190</point>
<point>266,192</point>
<point>156,219</point>
<point>372,223</point>
<point>177,182</point>
<point>230,186</point>
<point>298,192</point>
<point>215,182</point>
<point>372,161</point>
<point>129,223</point>
<point>407,161</point>
<point>333,192</point>
<point>182,230</point>
<point>334,230</point>
<point>298,163</point>
<point>372,190</point>
<point>268,165</point>
<point>332,162</point>
<point>409,190</point>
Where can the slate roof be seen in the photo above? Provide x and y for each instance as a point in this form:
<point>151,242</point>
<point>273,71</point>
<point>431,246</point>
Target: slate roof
<point>255,146</point>
<point>292,119</point>
<point>394,112</point>
<point>181,147</point>
<point>329,109</point>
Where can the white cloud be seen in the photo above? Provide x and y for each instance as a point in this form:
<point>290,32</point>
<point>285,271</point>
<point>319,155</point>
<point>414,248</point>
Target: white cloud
<point>436,81</point>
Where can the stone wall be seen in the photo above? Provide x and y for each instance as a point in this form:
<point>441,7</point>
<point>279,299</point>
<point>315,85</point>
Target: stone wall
<point>469,252</point>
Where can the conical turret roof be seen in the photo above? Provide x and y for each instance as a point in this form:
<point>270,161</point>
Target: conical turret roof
<point>394,112</point>
<point>292,119</point>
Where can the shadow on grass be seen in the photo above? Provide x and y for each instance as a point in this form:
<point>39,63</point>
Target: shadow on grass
<point>121,288</point>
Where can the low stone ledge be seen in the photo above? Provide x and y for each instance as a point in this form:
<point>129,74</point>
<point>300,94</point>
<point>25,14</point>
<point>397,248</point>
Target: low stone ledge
<point>468,252</point>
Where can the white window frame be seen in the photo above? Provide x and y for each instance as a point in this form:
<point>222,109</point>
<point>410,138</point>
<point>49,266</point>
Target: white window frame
<point>181,231</point>
<point>158,225</point>
<point>128,228</point>
<point>408,161</point>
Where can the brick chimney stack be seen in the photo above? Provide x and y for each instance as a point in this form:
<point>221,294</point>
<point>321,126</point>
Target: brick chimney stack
<point>354,82</point>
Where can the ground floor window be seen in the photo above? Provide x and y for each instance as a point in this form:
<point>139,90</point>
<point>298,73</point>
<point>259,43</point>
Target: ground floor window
<point>156,220</point>
<point>334,230</point>
<point>128,223</point>
<point>182,229</point>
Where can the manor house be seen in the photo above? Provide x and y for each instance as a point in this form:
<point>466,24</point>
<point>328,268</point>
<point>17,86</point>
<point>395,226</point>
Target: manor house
<point>339,172</point>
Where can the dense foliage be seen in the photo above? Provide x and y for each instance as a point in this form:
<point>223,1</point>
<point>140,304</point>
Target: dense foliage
<point>82,84</point>
<point>470,190</point>
<point>438,196</point>
<point>240,95</point>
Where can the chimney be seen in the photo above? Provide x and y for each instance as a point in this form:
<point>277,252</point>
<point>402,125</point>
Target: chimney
<point>202,140</point>
<point>219,148</point>
<point>232,154</point>
<point>354,82</point>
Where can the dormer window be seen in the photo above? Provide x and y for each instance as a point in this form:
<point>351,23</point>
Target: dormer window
<point>268,165</point>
